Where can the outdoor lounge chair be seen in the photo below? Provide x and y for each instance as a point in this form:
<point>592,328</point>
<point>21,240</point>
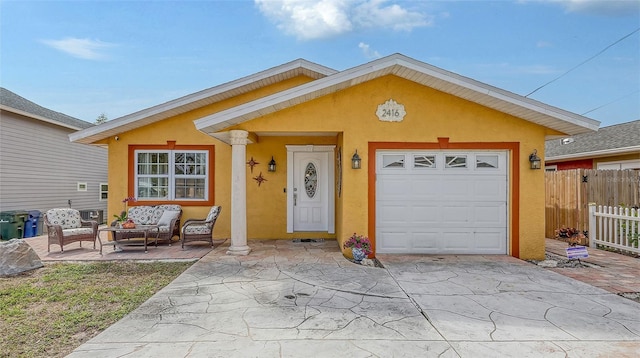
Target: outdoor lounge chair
<point>200,229</point>
<point>65,226</point>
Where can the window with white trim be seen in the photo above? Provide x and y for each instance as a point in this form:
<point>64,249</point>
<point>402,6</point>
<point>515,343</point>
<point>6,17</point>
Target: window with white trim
<point>104,191</point>
<point>172,175</point>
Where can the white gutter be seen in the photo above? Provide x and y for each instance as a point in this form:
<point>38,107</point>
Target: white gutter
<point>595,154</point>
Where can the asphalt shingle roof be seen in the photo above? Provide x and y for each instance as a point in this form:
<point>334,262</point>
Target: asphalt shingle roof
<point>617,136</point>
<point>12,100</point>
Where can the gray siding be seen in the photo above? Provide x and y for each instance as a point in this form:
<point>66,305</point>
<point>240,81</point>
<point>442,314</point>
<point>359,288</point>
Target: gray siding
<point>40,168</point>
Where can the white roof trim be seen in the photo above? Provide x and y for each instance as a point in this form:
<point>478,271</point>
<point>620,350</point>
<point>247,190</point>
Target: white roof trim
<point>40,118</point>
<point>398,65</point>
<point>185,103</point>
<point>595,153</point>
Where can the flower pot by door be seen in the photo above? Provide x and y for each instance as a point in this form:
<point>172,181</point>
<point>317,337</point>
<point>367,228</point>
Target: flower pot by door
<point>358,254</point>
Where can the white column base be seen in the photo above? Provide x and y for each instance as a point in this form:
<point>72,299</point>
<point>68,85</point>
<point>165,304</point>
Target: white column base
<point>239,250</point>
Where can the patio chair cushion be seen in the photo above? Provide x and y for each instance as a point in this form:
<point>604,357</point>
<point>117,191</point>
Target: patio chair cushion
<point>196,229</point>
<point>164,229</point>
<point>66,218</point>
<point>77,231</point>
<point>145,215</point>
<point>213,213</point>
<point>167,217</point>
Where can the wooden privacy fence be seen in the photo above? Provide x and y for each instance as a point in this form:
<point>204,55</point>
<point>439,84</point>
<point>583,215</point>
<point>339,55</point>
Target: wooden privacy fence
<point>569,192</point>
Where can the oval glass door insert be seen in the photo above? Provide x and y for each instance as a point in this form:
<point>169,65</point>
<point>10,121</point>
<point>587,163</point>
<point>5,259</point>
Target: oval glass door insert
<point>310,180</point>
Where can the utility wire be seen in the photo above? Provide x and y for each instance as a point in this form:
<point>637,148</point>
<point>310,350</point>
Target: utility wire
<point>582,63</point>
<point>608,103</point>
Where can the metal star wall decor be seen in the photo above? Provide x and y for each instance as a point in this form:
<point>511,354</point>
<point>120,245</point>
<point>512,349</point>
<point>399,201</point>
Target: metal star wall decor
<point>259,179</point>
<point>252,163</point>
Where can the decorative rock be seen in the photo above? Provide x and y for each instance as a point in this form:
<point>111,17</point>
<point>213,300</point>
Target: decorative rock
<point>17,256</point>
<point>548,263</point>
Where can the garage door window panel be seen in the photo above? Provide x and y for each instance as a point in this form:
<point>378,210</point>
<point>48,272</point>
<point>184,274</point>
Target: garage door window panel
<point>487,162</point>
<point>455,161</point>
<point>393,161</point>
<point>424,161</point>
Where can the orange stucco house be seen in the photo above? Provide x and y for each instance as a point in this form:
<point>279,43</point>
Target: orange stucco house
<point>445,160</point>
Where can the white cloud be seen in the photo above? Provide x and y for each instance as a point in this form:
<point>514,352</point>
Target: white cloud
<point>373,13</point>
<point>81,48</point>
<point>368,53</point>
<point>602,7</point>
<point>316,19</point>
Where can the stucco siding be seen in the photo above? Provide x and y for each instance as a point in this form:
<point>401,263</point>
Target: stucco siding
<point>40,168</point>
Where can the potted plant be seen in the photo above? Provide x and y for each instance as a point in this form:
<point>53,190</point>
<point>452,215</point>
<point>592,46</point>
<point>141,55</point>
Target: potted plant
<point>122,220</point>
<point>360,247</point>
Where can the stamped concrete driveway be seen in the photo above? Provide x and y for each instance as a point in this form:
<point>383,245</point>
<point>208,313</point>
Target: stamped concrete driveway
<point>305,300</point>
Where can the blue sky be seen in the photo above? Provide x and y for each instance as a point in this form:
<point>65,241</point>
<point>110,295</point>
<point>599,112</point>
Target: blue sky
<point>84,58</point>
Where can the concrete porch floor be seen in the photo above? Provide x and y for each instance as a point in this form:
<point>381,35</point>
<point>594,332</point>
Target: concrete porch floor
<point>86,252</point>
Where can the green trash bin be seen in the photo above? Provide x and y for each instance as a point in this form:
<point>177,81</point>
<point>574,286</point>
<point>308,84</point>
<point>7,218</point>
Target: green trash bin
<point>12,224</point>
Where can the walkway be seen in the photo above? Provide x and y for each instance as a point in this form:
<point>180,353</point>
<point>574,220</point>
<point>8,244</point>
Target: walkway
<point>613,272</point>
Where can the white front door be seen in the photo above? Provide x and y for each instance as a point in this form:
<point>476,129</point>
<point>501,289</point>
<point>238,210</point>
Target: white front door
<point>310,189</point>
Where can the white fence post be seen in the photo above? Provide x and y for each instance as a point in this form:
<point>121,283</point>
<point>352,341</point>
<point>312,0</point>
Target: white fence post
<point>592,225</point>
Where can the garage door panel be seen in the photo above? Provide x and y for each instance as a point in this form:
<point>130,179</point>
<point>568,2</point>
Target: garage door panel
<point>394,241</point>
<point>490,215</point>
<point>453,214</point>
<point>456,239</point>
<point>490,241</point>
<point>489,188</point>
<point>392,187</point>
<point>446,210</point>
<point>455,188</point>
<point>425,188</point>
<point>394,213</point>
<point>425,214</point>
<point>425,240</point>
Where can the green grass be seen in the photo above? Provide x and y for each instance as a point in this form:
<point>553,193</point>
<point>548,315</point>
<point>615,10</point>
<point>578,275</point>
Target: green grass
<point>50,311</point>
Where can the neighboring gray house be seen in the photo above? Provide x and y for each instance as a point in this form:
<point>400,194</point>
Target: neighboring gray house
<point>40,168</point>
<point>614,147</point>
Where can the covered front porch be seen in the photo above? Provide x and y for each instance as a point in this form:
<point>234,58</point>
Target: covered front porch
<point>283,185</point>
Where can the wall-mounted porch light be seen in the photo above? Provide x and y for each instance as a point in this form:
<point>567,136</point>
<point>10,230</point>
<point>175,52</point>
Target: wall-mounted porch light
<point>356,162</point>
<point>272,165</point>
<point>534,160</point>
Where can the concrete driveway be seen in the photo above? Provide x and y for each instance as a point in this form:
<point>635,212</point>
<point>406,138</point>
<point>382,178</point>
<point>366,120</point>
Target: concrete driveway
<point>305,300</point>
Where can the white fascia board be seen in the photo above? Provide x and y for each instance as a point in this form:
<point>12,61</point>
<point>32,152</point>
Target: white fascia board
<point>40,118</point>
<point>596,153</point>
<point>201,95</point>
<point>500,94</point>
<point>387,63</point>
<point>292,93</point>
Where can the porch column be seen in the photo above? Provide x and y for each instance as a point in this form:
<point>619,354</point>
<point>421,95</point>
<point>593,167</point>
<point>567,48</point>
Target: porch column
<point>238,194</point>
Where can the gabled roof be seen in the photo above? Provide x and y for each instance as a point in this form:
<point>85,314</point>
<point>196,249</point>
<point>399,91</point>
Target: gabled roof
<point>329,81</point>
<point>11,102</point>
<point>413,70</point>
<point>616,139</point>
<point>202,98</point>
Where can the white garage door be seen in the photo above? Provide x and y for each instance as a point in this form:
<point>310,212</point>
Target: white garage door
<point>441,202</point>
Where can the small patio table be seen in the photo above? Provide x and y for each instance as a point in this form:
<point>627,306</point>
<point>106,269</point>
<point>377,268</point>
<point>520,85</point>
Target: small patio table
<point>144,231</point>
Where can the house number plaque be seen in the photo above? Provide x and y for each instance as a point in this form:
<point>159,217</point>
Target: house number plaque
<point>391,111</point>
